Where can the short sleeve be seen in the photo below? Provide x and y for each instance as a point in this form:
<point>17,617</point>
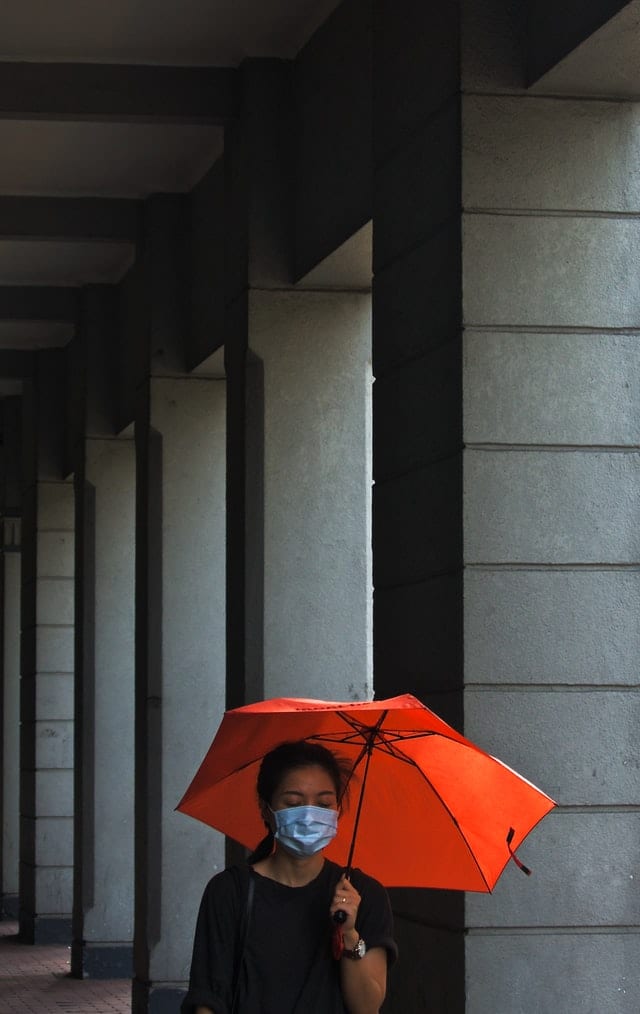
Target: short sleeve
<point>375,918</point>
<point>214,945</point>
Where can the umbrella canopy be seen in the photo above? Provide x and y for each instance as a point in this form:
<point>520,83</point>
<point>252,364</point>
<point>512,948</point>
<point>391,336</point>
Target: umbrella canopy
<point>437,811</point>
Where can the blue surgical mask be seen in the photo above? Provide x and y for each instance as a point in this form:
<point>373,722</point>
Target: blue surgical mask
<point>305,830</point>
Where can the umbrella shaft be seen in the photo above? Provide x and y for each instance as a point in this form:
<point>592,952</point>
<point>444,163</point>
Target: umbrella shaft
<point>358,811</point>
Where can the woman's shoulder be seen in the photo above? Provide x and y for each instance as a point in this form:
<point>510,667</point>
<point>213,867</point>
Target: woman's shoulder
<point>228,882</point>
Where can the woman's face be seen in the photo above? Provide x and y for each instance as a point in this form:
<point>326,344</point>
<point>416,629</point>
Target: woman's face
<point>308,786</point>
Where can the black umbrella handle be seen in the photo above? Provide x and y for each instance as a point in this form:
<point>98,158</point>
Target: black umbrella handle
<point>340,915</point>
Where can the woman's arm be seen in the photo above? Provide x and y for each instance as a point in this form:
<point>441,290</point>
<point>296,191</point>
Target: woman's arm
<point>364,981</point>
<point>204,1010</point>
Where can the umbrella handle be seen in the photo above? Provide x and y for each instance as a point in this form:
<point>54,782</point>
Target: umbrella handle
<point>341,916</point>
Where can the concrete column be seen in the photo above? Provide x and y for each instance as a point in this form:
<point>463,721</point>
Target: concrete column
<point>314,349</point>
<point>47,659</point>
<point>506,572</point>
<point>551,483</point>
<point>10,715</point>
<point>298,364</point>
<point>180,624</point>
<point>105,509</point>
<point>11,497</point>
<point>417,426</point>
<point>108,712</point>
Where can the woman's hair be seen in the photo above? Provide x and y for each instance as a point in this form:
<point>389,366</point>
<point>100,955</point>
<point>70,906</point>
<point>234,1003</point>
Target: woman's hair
<point>288,757</point>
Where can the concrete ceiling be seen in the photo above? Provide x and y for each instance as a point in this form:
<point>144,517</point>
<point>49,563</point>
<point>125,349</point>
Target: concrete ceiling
<point>216,33</point>
<point>52,151</point>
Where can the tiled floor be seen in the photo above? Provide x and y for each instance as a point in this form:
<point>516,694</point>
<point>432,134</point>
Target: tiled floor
<point>36,979</point>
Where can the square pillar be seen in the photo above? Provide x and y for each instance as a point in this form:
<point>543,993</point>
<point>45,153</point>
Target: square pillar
<point>299,375</point>
<point>506,312</point>
<point>417,426</point>
<point>47,661</point>
<point>180,622</point>
<point>104,468</point>
<point>11,502</point>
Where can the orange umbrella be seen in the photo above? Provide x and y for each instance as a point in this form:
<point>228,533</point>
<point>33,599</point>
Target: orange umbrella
<point>437,811</point>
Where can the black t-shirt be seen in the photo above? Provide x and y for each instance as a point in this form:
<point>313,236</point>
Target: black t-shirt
<point>287,965</point>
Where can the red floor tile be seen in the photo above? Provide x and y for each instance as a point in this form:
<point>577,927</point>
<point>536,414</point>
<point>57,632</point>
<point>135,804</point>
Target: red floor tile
<point>36,979</point>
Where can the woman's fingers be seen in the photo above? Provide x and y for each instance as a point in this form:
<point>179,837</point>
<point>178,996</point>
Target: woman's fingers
<point>346,899</point>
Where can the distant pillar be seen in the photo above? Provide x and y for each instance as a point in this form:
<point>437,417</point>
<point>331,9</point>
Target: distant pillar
<point>10,715</point>
<point>11,502</point>
<point>105,495</point>
<point>180,623</point>
<point>47,659</point>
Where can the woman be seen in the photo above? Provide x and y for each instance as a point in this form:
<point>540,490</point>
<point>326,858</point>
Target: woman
<point>266,941</point>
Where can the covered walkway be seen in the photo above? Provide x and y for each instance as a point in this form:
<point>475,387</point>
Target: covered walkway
<point>220,222</point>
<point>37,979</point>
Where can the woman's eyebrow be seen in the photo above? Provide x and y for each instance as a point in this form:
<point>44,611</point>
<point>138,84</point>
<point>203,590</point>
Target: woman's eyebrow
<point>299,792</point>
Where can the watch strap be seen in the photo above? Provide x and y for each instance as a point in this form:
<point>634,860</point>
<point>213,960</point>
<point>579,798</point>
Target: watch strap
<point>357,952</point>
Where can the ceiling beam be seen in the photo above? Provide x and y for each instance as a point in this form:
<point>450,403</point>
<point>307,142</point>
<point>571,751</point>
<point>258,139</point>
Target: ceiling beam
<point>38,302</point>
<point>81,218</point>
<point>118,92</point>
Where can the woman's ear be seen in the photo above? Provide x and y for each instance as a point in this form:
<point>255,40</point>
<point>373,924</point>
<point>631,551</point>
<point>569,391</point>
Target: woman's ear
<point>266,814</point>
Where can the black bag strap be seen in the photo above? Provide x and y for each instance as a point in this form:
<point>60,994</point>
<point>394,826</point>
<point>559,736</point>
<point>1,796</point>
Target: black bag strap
<point>241,944</point>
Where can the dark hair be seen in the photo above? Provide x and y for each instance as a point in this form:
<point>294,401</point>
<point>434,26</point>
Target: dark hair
<point>287,757</point>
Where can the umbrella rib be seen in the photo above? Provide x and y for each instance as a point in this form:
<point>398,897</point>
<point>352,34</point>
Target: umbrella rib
<point>386,746</point>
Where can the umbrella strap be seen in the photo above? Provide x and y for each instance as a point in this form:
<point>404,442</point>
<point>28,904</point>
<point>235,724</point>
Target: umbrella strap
<point>519,864</point>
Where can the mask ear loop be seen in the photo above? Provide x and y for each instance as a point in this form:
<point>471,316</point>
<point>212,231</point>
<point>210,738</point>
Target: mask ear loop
<point>519,864</point>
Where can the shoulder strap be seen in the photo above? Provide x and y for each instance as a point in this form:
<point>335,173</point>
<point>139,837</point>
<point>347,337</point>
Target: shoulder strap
<point>243,933</point>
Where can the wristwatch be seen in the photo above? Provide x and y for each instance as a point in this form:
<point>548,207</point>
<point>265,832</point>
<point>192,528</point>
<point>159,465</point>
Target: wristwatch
<point>358,951</point>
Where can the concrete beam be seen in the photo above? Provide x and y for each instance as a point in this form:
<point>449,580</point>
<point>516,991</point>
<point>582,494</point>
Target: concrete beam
<point>117,92</point>
<point>38,302</point>
<point>576,48</point>
<point>69,218</point>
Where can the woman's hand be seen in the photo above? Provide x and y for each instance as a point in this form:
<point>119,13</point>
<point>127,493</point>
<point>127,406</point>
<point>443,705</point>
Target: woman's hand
<point>346,899</point>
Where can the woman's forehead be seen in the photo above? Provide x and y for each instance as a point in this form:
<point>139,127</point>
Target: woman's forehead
<point>311,778</point>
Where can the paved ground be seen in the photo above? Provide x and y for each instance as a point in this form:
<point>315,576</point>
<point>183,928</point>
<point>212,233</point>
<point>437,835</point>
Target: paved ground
<point>36,979</point>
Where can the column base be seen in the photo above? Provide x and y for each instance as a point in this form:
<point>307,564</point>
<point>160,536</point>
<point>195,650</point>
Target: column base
<point>10,906</point>
<point>102,961</point>
<point>149,999</point>
<point>47,930</point>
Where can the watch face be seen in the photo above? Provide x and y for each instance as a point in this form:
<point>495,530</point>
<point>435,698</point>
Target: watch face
<point>360,949</point>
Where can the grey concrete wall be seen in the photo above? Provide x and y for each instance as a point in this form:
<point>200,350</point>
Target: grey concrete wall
<point>315,350</point>
<point>552,558</point>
